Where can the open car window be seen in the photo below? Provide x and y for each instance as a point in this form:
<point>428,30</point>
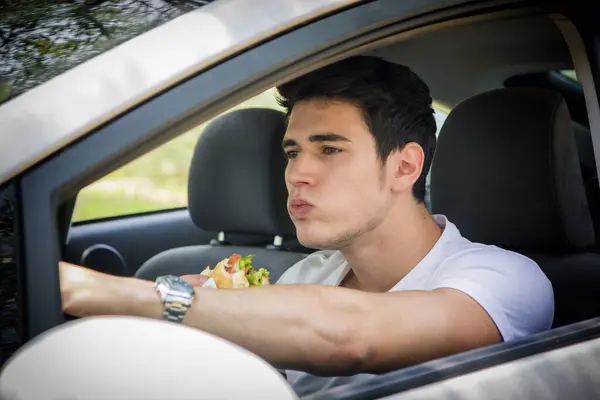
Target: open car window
<point>157,181</point>
<point>44,38</point>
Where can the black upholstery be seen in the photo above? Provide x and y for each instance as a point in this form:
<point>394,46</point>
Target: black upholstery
<point>506,167</point>
<point>585,149</point>
<point>506,172</point>
<point>193,260</point>
<point>236,186</point>
<point>236,181</point>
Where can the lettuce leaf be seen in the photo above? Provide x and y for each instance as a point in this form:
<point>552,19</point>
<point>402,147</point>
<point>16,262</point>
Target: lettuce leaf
<point>246,262</point>
<point>258,278</point>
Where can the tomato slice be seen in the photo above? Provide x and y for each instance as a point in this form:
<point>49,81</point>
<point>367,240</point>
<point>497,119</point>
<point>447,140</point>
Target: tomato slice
<point>234,258</point>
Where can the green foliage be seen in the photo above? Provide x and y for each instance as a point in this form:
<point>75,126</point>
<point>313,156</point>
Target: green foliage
<point>5,90</point>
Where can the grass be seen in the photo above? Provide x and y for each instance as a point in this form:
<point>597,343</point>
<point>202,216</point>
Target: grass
<point>155,181</point>
<point>105,205</point>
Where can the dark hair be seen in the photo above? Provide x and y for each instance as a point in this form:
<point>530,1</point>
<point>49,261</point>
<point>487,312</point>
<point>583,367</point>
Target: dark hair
<point>395,102</point>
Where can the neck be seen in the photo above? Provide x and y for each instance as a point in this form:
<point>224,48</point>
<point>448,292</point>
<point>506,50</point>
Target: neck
<point>382,257</point>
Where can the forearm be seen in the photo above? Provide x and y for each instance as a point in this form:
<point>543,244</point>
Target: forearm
<point>291,326</point>
<point>297,327</point>
<point>304,327</point>
<point>318,329</point>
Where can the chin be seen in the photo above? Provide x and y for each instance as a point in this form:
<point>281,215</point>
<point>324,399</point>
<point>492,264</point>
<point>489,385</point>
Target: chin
<point>315,245</point>
<point>315,238</point>
<point>311,238</point>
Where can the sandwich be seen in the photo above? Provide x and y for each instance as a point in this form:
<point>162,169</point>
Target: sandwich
<point>236,272</point>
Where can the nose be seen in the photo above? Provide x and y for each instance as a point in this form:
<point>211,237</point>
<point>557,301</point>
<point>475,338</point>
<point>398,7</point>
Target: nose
<point>301,170</point>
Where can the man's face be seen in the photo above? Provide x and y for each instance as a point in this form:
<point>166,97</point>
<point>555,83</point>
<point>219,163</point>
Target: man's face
<point>338,187</point>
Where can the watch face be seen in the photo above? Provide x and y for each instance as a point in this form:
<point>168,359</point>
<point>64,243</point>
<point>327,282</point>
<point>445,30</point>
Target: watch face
<point>179,284</point>
<point>174,285</point>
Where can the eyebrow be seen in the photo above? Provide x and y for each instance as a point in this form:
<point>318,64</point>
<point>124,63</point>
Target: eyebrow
<point>317,138</point>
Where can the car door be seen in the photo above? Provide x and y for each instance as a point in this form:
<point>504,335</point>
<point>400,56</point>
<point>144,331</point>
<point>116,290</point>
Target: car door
<point>94,124</point>
<point>237,63</point>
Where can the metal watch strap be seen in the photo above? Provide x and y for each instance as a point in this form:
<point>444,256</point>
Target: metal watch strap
<point>176,296</point>
<point>173,309</point>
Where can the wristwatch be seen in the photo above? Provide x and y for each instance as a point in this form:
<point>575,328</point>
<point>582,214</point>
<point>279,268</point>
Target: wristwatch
<point>176,295</point>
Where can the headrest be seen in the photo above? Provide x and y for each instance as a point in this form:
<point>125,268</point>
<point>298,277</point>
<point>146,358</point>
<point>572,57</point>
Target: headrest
<point>506,172</point>
<point>236,181</point>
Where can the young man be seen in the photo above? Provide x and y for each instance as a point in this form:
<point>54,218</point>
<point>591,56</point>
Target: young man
<point>396,286</point>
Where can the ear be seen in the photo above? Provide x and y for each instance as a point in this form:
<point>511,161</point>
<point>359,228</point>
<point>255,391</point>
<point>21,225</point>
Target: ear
<point>407,165</point>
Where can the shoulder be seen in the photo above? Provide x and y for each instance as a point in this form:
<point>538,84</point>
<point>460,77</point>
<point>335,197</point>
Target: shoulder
<point>510,286</point>
<point>315,268</point>
<point>462,256</point>
<point>468,252</point>
<point>488,261</point>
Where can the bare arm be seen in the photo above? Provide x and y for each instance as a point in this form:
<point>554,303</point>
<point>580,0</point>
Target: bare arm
<point>318,329</point>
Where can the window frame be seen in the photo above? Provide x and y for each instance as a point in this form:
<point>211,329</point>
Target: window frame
<point>56,180</point>
<point>47,185</point>
<point>441,113</point>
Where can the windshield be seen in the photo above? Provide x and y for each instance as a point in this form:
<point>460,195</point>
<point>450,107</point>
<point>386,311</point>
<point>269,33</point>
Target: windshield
<point>41,39</point>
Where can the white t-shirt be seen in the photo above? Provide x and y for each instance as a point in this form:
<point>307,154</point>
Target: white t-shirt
<point>510,287</point>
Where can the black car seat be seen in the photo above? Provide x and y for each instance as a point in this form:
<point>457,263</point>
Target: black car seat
<point>236,187</point>
<point>506,172</point>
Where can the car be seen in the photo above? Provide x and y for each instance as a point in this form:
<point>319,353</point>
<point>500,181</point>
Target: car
<point>102,104</point>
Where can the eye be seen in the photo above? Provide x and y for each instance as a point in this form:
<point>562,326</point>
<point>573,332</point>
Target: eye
<point>291,154</point>
<point>330,150</point>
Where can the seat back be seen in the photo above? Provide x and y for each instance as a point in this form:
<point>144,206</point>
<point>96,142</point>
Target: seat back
<point>236,187</point>
<point>506,172</point>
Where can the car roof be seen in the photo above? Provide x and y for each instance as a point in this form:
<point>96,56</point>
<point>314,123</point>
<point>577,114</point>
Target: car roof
<point>467,59</point>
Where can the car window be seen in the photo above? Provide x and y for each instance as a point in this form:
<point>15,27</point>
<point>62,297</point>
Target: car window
<point>157,181</point>
<point>569,73</point>
<point>153,182</point>
<point>441,113</point>
<point>41,39</point>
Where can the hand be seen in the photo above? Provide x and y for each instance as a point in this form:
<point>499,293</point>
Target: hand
<point>84,291</point>
<point>87,292</point>
<point>195,279</point>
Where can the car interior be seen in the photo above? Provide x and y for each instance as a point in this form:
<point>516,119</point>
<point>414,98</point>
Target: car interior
<point>250,200</point>
<point>514,167</point>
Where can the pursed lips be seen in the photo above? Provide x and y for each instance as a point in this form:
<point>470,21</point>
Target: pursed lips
<point>299,208</point>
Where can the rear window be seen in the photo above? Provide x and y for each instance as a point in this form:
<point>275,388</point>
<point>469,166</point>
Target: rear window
<point>42,39</point>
